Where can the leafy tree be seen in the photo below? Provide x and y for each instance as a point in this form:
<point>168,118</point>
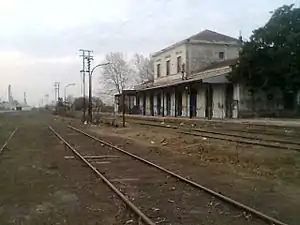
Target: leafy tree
<point>271,58</point>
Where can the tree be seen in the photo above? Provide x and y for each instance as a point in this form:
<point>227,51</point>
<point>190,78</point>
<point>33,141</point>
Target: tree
<point>60,102</point>
<point>78,103</point>
<point>117,75</point>
<point>143,67</point>
<point>270,59</point>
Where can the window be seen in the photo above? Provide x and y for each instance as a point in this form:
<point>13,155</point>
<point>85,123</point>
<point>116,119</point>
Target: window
<point>221,55</point>
<point>168,67</point>
<point>178,64</point>
<point>158,70</point>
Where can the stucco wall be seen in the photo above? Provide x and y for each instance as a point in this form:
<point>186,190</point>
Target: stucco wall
<point>261,104</point>
<point>148,112</point>
<point>201,55</point>
<point>262,101</point>
<point>236,99</point>
<point>172,56</point>
<point>173,103</point>
<point>201,101</point>
<point>155,104</point>
<point>219,98</point>
<point>185,104</point>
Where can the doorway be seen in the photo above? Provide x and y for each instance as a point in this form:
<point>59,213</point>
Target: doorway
<point>158,104</point>
<point>151,104</point>
<point>168,102</point>
<point>229,101</point>
<point>144,104</point>
<point>209,102</point>
<point>193,102</point>
<point>179,103</point>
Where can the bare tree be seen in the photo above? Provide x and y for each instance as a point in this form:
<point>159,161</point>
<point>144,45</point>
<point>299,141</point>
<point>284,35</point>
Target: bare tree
<point>144,68</point>
<point>117,75</point>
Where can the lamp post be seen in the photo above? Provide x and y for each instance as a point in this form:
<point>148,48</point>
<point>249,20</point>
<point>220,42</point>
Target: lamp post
<point>65,92</point>
<point>90,89</point>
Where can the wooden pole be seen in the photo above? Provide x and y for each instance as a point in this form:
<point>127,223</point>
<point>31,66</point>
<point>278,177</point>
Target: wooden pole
<point>123,107</point>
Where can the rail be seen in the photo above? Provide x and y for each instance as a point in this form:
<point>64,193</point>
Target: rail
<point>234,203</point>
<point>133,207</point>
<point>7,141</point>
<point>190,132</point>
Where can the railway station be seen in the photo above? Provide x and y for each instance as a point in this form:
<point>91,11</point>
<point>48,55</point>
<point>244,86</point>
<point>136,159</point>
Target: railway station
<point>204,130</point>
<point>191,80</point>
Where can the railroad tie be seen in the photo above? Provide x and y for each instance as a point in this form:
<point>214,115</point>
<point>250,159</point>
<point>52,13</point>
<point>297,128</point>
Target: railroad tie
<point>93,156</point>
<point>121,180</point>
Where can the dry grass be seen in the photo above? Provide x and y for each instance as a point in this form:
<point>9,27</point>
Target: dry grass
<point>254,160</point>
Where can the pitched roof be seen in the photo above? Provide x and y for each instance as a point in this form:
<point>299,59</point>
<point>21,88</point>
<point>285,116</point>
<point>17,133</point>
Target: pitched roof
<point>228,62</point>
<point>208,35</point>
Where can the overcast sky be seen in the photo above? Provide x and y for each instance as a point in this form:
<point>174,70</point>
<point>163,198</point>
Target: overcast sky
<point>40,39</point>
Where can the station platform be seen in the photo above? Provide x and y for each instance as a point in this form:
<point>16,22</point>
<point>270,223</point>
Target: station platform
<point>278,122</point>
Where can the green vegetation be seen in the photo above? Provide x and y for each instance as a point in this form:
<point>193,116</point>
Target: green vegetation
<point>271,58</point>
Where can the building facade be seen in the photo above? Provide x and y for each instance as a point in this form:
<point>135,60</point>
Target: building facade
<point>190,80</point>
<point>185,58</point>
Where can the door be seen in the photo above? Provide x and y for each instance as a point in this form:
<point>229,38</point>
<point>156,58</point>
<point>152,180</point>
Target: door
<point>193,102</point>
<point>179,103</point>
<point>144,104</point>
<point>168,102</point>
<point>151,105</point>
<point>158,104</point>
<point>209,102</point>
<point>229,101</point>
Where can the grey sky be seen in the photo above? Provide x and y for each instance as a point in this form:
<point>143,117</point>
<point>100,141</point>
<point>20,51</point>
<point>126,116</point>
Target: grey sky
<point>39,39</point>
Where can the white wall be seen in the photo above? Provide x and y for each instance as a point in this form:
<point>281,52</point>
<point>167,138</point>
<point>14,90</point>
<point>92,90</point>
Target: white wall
<point>148,112</point>
<point>201,55</point>
<point>236,99</point>
<point>173,103</point>
<point>185,104</point>
<point>171,55</point>
<point>201,101</point>
<point>219,98</point>
<point>155,104</point>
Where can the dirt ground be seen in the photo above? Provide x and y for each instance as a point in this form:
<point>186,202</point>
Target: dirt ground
<point>264,178</point>
<point>161,197</point>
<point>38,186</point>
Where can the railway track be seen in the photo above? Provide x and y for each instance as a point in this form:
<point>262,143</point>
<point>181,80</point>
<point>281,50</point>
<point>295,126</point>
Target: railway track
<point>265,129</point>
<point>141,216</point>
<point>251,137</point>
<point>251,140</point>
<point>164,196</point>
<point>7,141</point>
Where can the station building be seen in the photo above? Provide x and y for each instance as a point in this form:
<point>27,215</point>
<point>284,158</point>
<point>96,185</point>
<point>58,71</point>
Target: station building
<point>190,80</point>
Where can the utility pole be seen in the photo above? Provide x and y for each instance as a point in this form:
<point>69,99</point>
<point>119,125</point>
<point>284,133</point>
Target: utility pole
<point>84,54</point>
<point>90,109</point>
<point>123,108</point>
